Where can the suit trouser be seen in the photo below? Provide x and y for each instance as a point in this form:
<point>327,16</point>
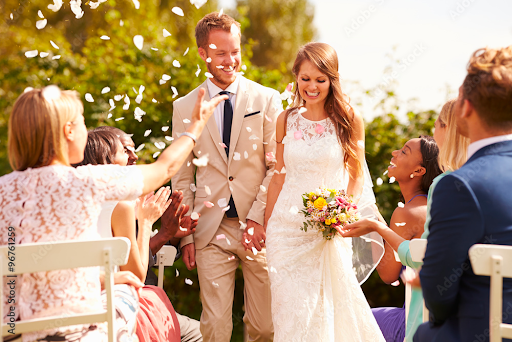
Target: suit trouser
<point>216,266</point>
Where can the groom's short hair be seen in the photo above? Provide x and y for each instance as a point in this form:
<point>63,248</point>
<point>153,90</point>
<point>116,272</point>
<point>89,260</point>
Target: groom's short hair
<point>488,86</point>
<point>210,22</point>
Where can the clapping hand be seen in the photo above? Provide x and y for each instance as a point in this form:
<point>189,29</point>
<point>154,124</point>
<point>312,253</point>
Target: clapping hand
<point>254,236</point>
<point>152,206</point>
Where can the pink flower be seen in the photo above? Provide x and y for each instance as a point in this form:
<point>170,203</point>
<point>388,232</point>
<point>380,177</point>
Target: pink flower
<point>319,129</point>
<point>297,135</point>
<point>289,87</point>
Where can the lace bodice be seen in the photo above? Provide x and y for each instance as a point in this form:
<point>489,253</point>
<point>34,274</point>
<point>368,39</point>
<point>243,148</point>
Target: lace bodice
<point>59,203</point>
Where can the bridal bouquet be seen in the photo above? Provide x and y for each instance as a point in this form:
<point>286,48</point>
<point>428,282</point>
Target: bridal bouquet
<point>326,209</point>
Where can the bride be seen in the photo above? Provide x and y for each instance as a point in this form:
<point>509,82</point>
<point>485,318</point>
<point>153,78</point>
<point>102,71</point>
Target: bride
<point>315,283</point>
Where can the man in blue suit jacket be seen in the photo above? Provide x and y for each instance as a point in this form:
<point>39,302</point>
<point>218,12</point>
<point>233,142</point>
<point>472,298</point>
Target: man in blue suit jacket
<point>472,205</point>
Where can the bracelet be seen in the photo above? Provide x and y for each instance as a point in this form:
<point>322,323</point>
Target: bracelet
<point>190,135</point>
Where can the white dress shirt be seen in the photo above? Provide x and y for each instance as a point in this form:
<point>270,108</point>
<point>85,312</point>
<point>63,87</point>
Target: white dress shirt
<point>218,113</point>
<point>477,145</point>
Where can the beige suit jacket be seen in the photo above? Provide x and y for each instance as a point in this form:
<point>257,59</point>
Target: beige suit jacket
<point>242,173</point>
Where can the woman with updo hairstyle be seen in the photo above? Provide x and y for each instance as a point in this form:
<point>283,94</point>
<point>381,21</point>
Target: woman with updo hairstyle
<point>315,282</point>
<point>46,200</point>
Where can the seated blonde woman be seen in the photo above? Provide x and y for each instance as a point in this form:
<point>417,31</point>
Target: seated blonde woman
<point>45,200</point>
<point>452,155</point>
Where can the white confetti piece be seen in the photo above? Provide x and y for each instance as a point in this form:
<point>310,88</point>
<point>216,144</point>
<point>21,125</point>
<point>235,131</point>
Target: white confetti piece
<point>236,156</point>
<point>272,269</point>
<point>138,99</point>
<point>121,23</point>
<point>40,14</point>
<point>186,51</point>
<point>105,90</point>
<point>208,204</point>
<point>168,138</point>
<point>178,11</point>
<point>249,129</point>
<point>193,187</point>
<point>188,281</point>
<point>294,210</point>
<point>176,63</point>
<point>56,57</point>
<point>141,146</point>
<point>379,181</point>
<point>162,82</point>
<point>188,164</point>
<point>198,70</point>
<point>400,224</point>
<point>207,74</point>
<point>166,33</point>
<point>57,4</point>
<point>31,53</point>
<point>118,97</point>
<point>283,170</point>
<point>400,205</point>
<point>254,147</point>
<point>154,49</point>
<point>246,155</point>
<point>187,121</point>
<point>221,12</point>
<point>166,77</point>
<point>156,154</point>
<point>127,105</point>
<point>174,92</point>
<point>391,180</point>
<point>262,188</point>
<point>254,137</point>
<point>165,128</point>
<point>76,8</point>
<point>201,162</point>
<point>138,40</point>
<point>136,3</point>
<point>220,66</point>
<point>88,98</point>
<point>147,132</point>
<point>198,3</point>
<point>395,283</point>
<point>154,101</point>
<point>250,231</point>
<point>360,143</point>
<point>222,202</point>
<point>105,37</point>
<point>212,46</point>
<point>208,60</point>
<point>160,145</point>
<point>249,258</point>
<point>194,216</point>
<point>220,236</point>
<point>231,258</point>
<point>43,54</point>
<point>254,251</point>
<point>227,240</point>
<point>207,190</point>
<point>244,67</point>
<point>119,119</point>
<point>215,284</point>
<point>183,229</point>
<point>40,24</point>
<point>234,29</point>
<point>109,115</point>
<point>177,273</point>
<point>385,172</point>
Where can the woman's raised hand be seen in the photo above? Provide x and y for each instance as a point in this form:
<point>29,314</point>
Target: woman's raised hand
<point>204,109</point>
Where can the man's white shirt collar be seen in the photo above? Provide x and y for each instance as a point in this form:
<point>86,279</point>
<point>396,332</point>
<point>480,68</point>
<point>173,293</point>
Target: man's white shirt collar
<point>214,90</point>
<point>479,144</point>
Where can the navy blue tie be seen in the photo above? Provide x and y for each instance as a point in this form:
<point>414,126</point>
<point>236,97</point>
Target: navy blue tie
<point>226,137</point>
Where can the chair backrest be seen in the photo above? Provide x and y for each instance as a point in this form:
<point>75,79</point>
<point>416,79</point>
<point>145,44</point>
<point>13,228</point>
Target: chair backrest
<point>41,257</point>
<point>494,261</point>
<point>164,257</point>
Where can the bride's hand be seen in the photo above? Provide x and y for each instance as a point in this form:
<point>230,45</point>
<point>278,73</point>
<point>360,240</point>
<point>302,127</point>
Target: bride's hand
<point>359,228</point>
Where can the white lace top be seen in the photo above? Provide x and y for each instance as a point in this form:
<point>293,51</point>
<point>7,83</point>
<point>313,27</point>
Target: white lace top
<point>59,203</point>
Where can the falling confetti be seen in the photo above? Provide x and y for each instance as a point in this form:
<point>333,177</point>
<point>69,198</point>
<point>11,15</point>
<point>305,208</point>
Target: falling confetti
<point>268,119</point>
<point>40,24</point>
<point>379,181</point>
<point>136,3</point>
<point>225,209</point>
<point>236,156</point>
<point>212,46</point>
<point>147,132</point>
<point>223,145</point>
<point>154,49</point>
<point>174,92</point>
<point>57,4</point>
<point>160,145</point>
<point>262,188</point>
<point>391,180</point>
<point>253,137</point>
<point>168,138</point>
<point>319,129</point>
<point>198,3</point>
<point>270,156</point>
<point>156,154</point>
<point>207,190</point>
<point>127,104</point>
<point>88,98</point>
<point>165,128</point>
<point>138,40</point>
<point>283,170</point>
<point>188,281</point>
<point>222,202</point>
<point>294,210</point>
<point>207,74</point>
<point>76,8</point>
<point>231,257</point>
<point>187,121</point>
<point>138,114</point>
<point>178,11</point>
<point>186,51</point>
<point>208,204</point>
<point>56,57</point>
<point>400,224</point>
<point>176,64</point>
<point>105,37</point>
<point>31,53</point>
<point>254,147</point>
<point>194,216</point>
<point>208,60</point>
<point>177,273</point>
<point>141,146</point>
<point>400,205</point>
<point>246,155</point>
<point>43,54</point>
<point>201,162</point>
<point>249,258</point>
<point>360,143</point>
<point>385,172</point>
<point>119,119</point>
<point>105,90</point>
<point>234,29</point>
<point>166,77</point>
<point>250,231</point>
<point>215,284</point>
<point>249,129</point>
<point>198,70</point>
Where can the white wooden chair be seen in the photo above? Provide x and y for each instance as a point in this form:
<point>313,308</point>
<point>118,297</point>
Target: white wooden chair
<point>494,261</point>
<point>418,248</point>
<point>65,255</point>
<point>164,257</point>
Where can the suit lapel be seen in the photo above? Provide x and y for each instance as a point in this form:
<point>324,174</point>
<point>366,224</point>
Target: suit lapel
<point>211,125</point>
<point>242,97</point>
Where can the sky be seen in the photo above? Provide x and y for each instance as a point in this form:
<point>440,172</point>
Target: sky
<point>434,38</point>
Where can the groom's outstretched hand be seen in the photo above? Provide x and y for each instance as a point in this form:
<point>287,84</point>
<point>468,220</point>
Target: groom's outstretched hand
<point>254,236</point>
<point>189,255</point>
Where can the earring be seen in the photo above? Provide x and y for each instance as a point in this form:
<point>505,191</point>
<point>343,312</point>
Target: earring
<point>412,176</point>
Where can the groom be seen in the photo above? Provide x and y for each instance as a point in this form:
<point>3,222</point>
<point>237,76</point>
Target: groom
<point>230,192</point>
<point>472,205</point>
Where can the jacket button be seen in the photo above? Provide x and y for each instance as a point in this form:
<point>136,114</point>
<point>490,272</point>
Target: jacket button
<point>231,178</point>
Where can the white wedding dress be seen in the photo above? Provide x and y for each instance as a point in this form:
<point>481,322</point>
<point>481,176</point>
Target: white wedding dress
<point>316,294</point>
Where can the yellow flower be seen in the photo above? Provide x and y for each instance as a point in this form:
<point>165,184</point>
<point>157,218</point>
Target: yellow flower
<point>328,222</point>
<point>311,194</point>
<point>320,203</point>
<point>333,220</point>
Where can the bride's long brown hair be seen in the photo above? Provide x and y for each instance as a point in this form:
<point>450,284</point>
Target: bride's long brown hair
<point>324,57</point>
